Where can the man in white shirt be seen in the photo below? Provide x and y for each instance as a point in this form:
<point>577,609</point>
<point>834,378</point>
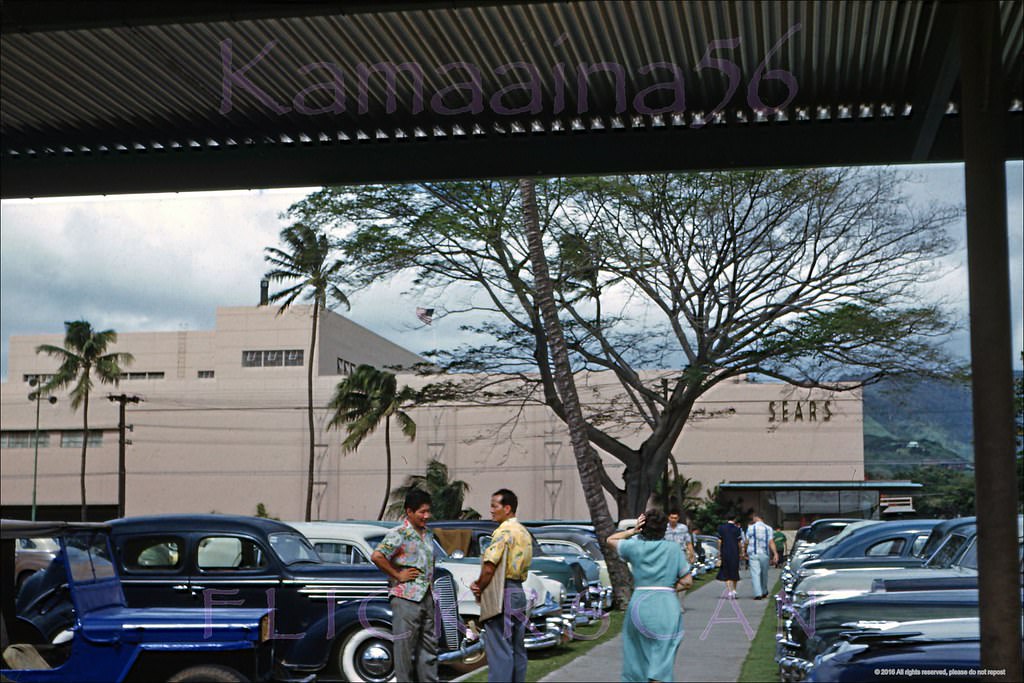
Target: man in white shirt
<point>759,543</point>
<point>679,533</point>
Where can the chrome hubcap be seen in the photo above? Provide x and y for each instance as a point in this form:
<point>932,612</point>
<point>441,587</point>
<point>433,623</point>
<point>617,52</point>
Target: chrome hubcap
<point>375,661</point>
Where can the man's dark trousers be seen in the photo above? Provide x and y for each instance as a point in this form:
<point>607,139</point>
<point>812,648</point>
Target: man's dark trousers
<point>415,645</point>
<point>505,635</point>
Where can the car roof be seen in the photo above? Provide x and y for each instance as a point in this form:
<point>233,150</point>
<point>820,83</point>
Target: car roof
<point>17,528</point>
<point>835,520</point>
<point>895,526</point>
<point>186,522</point>
<point>464,524</point>
<point>349,529</point>
<point>947,524</point>
<point>562,530</point>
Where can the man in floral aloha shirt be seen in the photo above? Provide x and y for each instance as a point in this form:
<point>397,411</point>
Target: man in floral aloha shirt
<point>406,555</point>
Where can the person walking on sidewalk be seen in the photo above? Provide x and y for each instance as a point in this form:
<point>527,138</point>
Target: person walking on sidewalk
<point>759,541</point>
<point>780,547</point>
<point>730,540</point>
<point>406,555</point>
<point>653,626</point>
<point>508,556</point>
<point>677,532</point>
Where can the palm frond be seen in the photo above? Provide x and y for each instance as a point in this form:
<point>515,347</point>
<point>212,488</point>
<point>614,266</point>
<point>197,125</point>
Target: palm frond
<point>406,423</point>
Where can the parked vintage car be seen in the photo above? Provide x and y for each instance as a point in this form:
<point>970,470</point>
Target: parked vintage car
<point>711,553</point>
<point>809,551</point>
<point>955,563</point>
<point>353,543</point>
<point>903,539</point>
<point>586,598</point>
<point>811,628</point>
<point>329,619</point>
<point>101,639</point>
<point>872,654</point>
<point>818,531</point>
<point>575,541</point>
<point>949,536</point>
<point>31,555</point>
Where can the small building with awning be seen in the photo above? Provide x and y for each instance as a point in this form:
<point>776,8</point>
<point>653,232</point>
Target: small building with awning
<point>790,505</point>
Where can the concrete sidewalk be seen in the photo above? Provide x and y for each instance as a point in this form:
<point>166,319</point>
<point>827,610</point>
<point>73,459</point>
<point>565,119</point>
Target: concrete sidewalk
<point>716,641</point>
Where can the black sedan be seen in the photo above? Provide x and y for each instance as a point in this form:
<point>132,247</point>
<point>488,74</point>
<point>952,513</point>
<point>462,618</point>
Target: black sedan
<point>329,619</point>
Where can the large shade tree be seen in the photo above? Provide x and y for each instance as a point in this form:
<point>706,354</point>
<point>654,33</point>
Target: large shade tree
<point>364,399</point>
<point>809,276</point>
<point>83,359</point>
<point>306,262</point>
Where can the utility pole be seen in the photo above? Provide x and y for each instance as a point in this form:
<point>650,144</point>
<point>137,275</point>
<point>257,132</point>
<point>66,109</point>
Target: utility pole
<point>122,400</point>
<point>37,396</point>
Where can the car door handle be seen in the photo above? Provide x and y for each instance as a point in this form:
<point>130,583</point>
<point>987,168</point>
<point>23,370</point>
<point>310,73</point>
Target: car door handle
<point>180,587</point>
<point>196,589</point>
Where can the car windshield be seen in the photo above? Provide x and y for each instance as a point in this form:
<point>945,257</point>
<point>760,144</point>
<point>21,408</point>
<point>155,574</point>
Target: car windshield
<point>292,548</point>
<point>948,551</point>
<point>970,558</point>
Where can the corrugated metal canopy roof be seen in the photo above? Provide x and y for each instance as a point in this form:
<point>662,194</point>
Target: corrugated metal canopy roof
<point>111,97</point>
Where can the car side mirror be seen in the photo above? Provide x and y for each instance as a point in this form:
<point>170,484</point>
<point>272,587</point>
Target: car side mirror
<point>458,554</point>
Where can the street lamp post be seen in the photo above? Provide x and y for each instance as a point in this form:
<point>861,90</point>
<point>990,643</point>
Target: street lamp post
<point>37,396</point>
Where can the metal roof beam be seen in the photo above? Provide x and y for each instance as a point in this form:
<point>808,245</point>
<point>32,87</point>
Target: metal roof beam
<point>940,68</point>
<point>36,16</point>
<point>490,156</point>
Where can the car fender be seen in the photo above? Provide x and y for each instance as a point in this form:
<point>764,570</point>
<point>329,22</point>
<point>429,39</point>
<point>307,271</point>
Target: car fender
<point>321,638</point>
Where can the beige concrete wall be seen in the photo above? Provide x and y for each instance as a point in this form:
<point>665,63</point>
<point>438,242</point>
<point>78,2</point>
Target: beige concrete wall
<point>240,439</point>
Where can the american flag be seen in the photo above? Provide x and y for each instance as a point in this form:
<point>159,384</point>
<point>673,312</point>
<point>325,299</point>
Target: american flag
<point>426,315</point>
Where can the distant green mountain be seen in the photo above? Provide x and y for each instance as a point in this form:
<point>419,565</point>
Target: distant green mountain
<point>916,423</point>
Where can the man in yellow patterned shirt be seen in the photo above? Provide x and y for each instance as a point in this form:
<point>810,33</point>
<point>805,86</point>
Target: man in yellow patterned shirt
<point>504,634</point>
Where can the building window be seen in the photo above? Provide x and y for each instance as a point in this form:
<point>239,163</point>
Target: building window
<point>252,359</point>
<point>23,439</point>
<point>205,374</point>
<point>73,438</point>
<point>41,379</point>
<point>140,375</point>
<point>345,367</point>
<point>272,358</point>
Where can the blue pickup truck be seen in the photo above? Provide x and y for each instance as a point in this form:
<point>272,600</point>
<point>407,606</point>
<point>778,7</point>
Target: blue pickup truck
<point>73,625</point>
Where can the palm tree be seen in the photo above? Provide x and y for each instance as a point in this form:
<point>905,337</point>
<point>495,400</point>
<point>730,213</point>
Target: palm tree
<point>361,401</point>
<point>549,326</point>
<point>674,490</point>
<point>306,259</point>
<point>447,495</point>
<point>82,356</point>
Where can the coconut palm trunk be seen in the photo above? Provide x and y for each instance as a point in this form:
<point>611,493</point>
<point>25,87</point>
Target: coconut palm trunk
<point>387,450</point>
<point>85,447</point>
<point>309,412</point>
<point>587,461</point>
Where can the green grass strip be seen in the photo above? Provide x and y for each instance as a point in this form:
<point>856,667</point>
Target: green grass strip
<point>760,666</point>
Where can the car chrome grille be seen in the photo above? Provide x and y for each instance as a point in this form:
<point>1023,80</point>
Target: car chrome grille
<point>444,597</point>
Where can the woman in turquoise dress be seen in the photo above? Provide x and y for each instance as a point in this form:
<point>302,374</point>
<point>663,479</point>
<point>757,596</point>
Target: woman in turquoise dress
<point>653,626</point>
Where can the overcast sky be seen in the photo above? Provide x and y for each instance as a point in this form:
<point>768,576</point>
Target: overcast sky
<point>165,262</point>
